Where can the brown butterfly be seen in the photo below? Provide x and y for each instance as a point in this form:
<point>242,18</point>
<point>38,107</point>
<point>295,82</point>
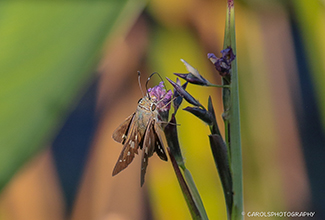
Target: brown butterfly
<point>143,130</point>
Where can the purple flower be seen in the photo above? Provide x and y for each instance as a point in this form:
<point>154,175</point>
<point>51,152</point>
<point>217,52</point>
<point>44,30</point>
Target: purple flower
<point>228,54</point>
<point>159,95</point>
<point>223,64</point>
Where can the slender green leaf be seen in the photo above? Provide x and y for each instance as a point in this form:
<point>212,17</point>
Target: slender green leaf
<point>189,198</point>
<point>48,53</point>
<point>233,126</point>
<point>188,187</point>
<point>197,198</point>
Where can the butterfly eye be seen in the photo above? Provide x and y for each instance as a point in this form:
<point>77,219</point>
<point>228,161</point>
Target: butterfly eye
<point>153,107</point>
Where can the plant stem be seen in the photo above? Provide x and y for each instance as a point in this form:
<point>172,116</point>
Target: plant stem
<point>197,198</point>
<point>233,128</point>
<point>218,86</point>
<point>185,189</point>
<point>190,192</point>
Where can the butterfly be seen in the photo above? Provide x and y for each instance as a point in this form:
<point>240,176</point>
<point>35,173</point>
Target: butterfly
<point>143,130</point>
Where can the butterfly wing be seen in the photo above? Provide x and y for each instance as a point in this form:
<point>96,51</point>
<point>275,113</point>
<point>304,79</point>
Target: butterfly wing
<point>129,150</point>
<point>160,148</point>
<point>121,133</point>
<point>149,143</point>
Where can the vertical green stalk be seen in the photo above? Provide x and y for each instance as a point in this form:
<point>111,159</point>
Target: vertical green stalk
<point>232,121</point>
<point>189,198</point>
<point>188,187</point>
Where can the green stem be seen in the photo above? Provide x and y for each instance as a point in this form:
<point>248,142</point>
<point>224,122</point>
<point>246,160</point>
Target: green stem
<point>219,86</point>
<point>195,192</point>
<point>233,128</point>
<point>190,192</point>
<point>189,198</point>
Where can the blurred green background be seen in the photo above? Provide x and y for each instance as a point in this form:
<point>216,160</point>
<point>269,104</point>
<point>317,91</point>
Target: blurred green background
<point>68,78</point>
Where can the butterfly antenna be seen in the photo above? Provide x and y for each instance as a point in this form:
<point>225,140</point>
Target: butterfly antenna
<point>167,102</point>
<point>150,78</point>
<point>139,81</point>
<point>147,83</point>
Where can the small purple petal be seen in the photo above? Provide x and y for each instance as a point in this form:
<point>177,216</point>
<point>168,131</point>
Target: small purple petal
<point>211,56</point>
<point>223,64</point>
<point>228,54</point>
<point>226,51</point>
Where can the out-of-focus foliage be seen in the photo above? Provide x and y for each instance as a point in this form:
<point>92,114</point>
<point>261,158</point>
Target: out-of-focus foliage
<point>310,16</point>
<point>48,53</point>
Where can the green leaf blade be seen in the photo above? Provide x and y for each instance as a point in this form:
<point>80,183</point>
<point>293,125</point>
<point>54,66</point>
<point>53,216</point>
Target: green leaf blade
<point>48,53</point>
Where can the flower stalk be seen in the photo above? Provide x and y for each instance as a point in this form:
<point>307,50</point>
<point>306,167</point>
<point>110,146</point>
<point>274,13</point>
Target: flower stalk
<point>232,116</point>
<point>188,187</point>
<point>227,151</point>
<point>195,213</point>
